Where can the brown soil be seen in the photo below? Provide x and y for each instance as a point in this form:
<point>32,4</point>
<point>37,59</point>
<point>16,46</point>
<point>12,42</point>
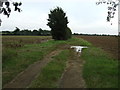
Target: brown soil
<point>107,43</point>
<point>72,76</point>
<point>25,78</point>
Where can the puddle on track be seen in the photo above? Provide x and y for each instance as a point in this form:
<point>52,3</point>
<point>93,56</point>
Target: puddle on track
<point>78,48</point>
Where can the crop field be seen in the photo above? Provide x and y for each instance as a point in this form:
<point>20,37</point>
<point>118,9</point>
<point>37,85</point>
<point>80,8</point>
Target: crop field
<point>10,40</point>
<point>108,43</point>
<point>40,62</point>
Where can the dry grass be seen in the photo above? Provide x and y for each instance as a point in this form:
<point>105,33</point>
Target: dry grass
<point>19,41</point>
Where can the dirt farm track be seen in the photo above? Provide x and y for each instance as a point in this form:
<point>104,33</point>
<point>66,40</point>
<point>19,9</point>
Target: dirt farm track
<point>108,43</point>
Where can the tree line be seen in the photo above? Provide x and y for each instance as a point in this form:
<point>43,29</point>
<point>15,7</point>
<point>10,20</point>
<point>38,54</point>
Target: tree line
<point>17,31</point>
<point>81,34</point>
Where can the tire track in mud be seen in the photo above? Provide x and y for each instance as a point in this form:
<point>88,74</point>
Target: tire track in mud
<point>25,78</point>
<point>72,76</point>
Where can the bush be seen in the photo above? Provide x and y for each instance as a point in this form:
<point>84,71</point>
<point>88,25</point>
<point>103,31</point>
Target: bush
<point>68,33</point>
<point>58,23</point>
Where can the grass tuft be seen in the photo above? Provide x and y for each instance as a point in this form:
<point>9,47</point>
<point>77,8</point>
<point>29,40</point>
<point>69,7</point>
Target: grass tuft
<point>99,71</point>
<point>51,74</point>
<point>78,42</point>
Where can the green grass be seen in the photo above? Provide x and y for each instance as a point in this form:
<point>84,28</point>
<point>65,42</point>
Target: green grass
<point>50,75</point>
<point>18,59</point>
<point>79,42</point>
<point>100,71</point>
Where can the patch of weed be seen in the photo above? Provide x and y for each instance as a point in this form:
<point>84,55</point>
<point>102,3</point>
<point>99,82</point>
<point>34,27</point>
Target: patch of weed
<point>78,42</point>
<point>99,71</point>
<point>51,74</point>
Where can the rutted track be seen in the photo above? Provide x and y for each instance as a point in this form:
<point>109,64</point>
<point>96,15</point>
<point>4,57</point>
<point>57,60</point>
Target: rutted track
<point>72,76</point>
<point>25,78</point>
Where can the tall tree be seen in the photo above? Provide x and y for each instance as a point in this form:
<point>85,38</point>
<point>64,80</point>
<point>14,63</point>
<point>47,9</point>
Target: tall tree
<point>58,23</point>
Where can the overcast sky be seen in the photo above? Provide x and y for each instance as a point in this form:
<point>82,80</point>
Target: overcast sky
<point>84,16</point>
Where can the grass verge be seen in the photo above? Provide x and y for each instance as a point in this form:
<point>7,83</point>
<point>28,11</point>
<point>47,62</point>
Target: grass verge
<point>50,75</point>
<point>79,42</point>
<point>100,71</point>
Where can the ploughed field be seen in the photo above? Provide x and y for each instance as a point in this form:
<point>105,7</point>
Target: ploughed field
<point>107,43</point>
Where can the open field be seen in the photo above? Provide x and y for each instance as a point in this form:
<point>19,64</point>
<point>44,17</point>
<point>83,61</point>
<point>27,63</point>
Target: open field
<point>56,59</point>
<point>108,43</point>
<point>14,40</point>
